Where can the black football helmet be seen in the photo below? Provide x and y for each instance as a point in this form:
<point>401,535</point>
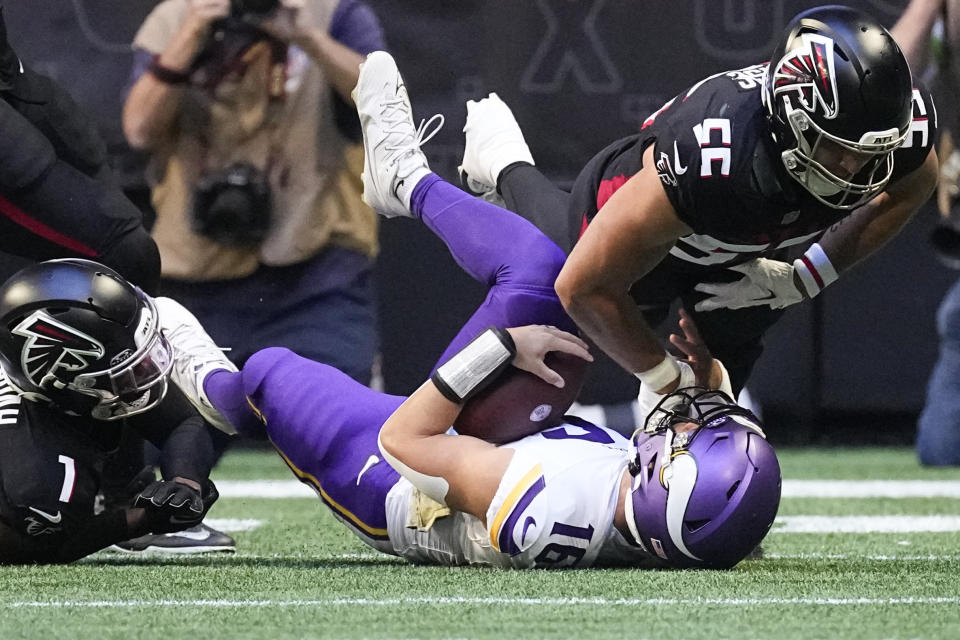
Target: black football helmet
<point>76,334</point>
<point>838,95</point>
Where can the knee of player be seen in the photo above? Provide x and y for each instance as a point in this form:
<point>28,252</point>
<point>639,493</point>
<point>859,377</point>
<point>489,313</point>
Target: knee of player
<point>266,365</point>
<point>542,263</point>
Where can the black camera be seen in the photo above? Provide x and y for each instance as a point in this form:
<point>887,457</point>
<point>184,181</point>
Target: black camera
<point>253,7</point>
<point>233,206</point>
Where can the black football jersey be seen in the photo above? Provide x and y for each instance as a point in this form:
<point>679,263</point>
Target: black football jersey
<point>723,174</point>
<point>51,463</point>
<point>50,466</point>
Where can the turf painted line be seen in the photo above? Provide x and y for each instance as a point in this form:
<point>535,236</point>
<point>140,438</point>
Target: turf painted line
<point>860,557</point>
<point>442,601</point>
<point>232,525</point>
<point>865,524</point>
<point>264,489</point>
<point>791,489</point>
<point>869,489</point>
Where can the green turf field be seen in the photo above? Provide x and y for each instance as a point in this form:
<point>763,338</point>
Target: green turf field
<point>300,574</point>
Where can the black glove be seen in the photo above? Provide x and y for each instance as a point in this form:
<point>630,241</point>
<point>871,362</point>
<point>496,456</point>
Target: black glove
<point>171,505</point>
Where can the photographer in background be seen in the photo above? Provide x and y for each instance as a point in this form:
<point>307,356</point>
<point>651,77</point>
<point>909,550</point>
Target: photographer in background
<point>923,21</point>
<point>255,161</point>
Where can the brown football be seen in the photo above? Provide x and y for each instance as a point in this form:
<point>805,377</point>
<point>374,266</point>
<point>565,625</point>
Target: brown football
<point>519,403</point>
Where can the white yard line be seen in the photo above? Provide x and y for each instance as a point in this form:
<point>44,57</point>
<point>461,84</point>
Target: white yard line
<point>861,557</point>
<point>264,489</point>
<point>508,601</point>
<point>232,525</point>
<point>865,524</point>
<point>791,489</point>
<point>871,489</point>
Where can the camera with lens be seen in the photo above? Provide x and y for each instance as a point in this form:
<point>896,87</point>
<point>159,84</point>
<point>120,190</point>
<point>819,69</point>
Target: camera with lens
<point>241,8</point>
<point>233,206</point>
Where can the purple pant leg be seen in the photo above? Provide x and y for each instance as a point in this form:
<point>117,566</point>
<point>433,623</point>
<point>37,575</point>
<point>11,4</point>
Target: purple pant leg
<point>325,426</point>
<point>499,248</point>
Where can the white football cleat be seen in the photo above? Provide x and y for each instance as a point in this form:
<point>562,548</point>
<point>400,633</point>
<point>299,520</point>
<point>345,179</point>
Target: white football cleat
<point>493,142</point>
<point>393,163</point>
<point>195,356</point>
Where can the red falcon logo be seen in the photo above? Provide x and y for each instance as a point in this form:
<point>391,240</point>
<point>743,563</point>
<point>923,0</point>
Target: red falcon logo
<point>52,346</point>
<point>807,72</point>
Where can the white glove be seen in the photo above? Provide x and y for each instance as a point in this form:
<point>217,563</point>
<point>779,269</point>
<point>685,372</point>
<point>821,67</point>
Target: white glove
<point>764,282</point>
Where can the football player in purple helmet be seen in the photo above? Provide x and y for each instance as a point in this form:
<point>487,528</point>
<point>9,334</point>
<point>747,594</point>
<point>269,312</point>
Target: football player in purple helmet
<point>746,193</point>
<point>698,487</point>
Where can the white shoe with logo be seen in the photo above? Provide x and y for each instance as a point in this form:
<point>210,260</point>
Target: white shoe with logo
<point>393,163</point>
<point>195,356</point>
<point>493,141</point>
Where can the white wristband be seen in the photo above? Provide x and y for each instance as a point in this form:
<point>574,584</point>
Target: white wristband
<point>661,375</point>
<point>815,270</point>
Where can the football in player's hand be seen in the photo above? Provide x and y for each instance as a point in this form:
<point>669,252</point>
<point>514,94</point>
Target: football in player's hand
<point>519,403</point>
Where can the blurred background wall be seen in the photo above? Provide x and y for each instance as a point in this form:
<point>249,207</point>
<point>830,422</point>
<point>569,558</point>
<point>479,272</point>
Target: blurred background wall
<point>578,74</point>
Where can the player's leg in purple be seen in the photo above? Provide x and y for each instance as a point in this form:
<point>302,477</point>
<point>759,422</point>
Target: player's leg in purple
<point>499,248</point>
<point>325,426</point>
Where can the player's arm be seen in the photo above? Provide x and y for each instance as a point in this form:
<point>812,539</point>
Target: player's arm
<point>461,471</point>
<point>89,536</point>
<point>340,63</point>
<point>912,31</point>
<point>151,107</point>
<point>187,446</point>
<point>872,225</point>
<point>629,236</point>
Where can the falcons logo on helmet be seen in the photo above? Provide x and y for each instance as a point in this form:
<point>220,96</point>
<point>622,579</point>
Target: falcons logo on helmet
<point>53,346</point>
<point>808,73</point>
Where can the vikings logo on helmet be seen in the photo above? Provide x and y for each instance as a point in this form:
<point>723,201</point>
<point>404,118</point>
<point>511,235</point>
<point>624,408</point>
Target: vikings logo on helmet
<point>808,73</point>
<point>52,346</point>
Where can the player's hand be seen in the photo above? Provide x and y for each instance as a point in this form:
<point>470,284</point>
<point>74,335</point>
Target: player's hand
<point>535,341</point>
<point>173,505</point>
<point>705,367</point>
<point>764,282</point>
<point>202,12</point>
<point>288,23</point>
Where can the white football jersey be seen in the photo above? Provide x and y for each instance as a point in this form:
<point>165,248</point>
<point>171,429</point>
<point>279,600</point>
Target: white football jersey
<point>554,508</point>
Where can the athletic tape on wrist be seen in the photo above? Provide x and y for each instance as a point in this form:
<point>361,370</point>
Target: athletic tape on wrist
<point>815,270</point>
<point>475,366</point>
<point>661,375</point>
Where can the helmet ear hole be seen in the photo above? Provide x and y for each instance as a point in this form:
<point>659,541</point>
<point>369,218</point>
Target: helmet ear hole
<point>651,468</point>
<point>695,525</point>
<point>733,489</point>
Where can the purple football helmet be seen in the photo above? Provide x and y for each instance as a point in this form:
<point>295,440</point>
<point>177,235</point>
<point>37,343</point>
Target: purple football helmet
<point>706,482</point>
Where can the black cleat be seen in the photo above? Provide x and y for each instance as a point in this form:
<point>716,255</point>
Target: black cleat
<point>198,539</point>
